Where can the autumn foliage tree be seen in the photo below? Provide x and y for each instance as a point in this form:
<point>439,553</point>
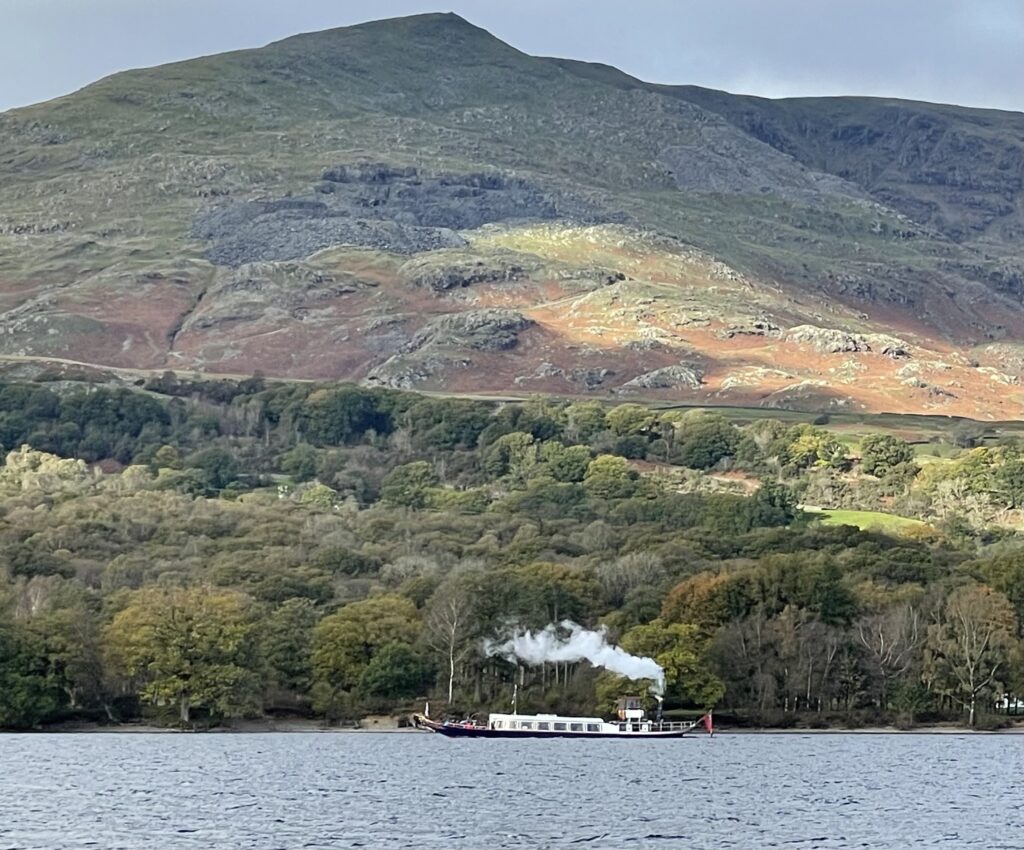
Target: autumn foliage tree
<point>187,647</point>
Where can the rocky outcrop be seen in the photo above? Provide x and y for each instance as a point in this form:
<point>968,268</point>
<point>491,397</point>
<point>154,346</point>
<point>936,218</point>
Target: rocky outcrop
<point>587,379</point>
<point>834,341</point>
<point>447,342</point>
<point>482,330</point>
<point>758,326</point>
<point>668,377</point>
<point>440,272</point>
<point>375,205</point>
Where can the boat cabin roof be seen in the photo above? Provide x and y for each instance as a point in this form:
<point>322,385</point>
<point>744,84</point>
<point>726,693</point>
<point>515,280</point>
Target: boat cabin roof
<point>557,718</point>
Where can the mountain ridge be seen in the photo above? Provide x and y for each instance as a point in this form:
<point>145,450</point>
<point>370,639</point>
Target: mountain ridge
<point>323,162</point>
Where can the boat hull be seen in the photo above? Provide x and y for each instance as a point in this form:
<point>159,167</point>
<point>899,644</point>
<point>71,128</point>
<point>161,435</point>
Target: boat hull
<point>456,730</point>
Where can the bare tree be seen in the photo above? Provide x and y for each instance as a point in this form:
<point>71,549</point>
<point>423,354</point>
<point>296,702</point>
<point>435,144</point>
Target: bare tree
<point>969,647</point>
<point>892,638</point>
<point>451,625</point>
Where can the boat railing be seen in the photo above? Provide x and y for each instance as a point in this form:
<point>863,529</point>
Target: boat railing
<point>672,726</point>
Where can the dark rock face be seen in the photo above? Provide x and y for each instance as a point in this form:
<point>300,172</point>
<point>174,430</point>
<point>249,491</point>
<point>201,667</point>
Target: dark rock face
<point>483,330</point>
<point>379,206</point>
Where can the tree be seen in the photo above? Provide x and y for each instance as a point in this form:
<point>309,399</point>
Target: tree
<point>810,446</point>
<point>968,649</point>
<point>300,463</point>
<point>628,572</point>
<point>187,646</point>
<point>1010,481</point>
<point>514,455</point>
<point>337,417</point>
<point>219,467</point>
<point>345,642</point>
<point>708,600</point>
<point>678,648</point>
<point>286,644</point>
<point>704,439</point>
<point>892,639</point>
<point>27,693</point>
<point>772,504</point>
<point>409,484</point>
<point>71,642</point>
<point>166,457</point>
<point>629,419</point>
<point>609,477</point>
<point>882,453</point>
<point>396,672</point>
<point>566,464</point>
<point>584,420</point>
<point>548,593</point>
<point>450,627</point>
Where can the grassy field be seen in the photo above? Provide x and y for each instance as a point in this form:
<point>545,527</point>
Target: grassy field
<point>868,520</point>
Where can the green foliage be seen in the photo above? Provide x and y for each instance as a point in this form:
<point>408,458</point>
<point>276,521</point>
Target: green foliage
<point>809,446</point>
<point>338,417</point>
<point>300,462</point>
<point>441,517</point>
<point>191,647</point>
<point>396,672</point>
<point>609,477</point>
<point>584,420</point>
<point>677,647</point>
<point>881,454</point>
<point>409,485</point>
<point>219,467</point>
<point>566,464</point>
<point>27,693</point>
<point>344,644</point>
<point>286,644</point>
<point>630,419</point>
<point>704,439</point>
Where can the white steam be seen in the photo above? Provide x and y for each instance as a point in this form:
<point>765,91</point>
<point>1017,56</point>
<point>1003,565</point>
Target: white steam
<point>579,645</point>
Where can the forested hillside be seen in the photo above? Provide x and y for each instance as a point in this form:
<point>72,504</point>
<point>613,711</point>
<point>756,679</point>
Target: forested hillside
<point>196,551</point>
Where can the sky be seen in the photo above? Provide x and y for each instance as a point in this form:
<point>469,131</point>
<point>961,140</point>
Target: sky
<point>969,52</point>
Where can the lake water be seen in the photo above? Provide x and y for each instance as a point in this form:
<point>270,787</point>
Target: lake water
<point>322,790</point>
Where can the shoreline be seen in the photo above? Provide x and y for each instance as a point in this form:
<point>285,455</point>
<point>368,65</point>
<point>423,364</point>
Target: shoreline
<point>298,726</point>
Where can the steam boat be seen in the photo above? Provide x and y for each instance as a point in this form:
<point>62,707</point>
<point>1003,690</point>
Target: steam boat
<point>631,722</point>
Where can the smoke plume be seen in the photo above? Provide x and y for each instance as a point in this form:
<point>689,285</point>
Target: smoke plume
<point>579,645</point>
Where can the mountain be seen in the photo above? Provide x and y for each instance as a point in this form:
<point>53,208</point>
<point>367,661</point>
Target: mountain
<point>415,203</point>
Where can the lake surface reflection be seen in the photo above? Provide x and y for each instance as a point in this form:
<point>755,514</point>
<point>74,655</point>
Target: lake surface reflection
<point>323,790</point>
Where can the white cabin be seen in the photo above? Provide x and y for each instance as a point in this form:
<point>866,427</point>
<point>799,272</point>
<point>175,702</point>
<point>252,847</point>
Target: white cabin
<point>561,724</point>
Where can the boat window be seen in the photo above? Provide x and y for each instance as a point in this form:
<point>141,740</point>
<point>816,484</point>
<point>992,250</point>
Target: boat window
<point>559,727</point>
<point>622,727</point>
<point>576,727</point>
<point>513,725</point>
<point>544,726</point>
<point>525,725</point>
<point>593,727</point>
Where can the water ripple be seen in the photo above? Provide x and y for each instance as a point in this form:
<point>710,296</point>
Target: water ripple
<point>281,792</point>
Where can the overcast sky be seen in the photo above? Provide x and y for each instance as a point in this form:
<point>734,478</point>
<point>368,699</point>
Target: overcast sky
<point>969,52</point>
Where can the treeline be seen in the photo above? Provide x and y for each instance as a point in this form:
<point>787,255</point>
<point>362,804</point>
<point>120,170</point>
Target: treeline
<point>196,552</point>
